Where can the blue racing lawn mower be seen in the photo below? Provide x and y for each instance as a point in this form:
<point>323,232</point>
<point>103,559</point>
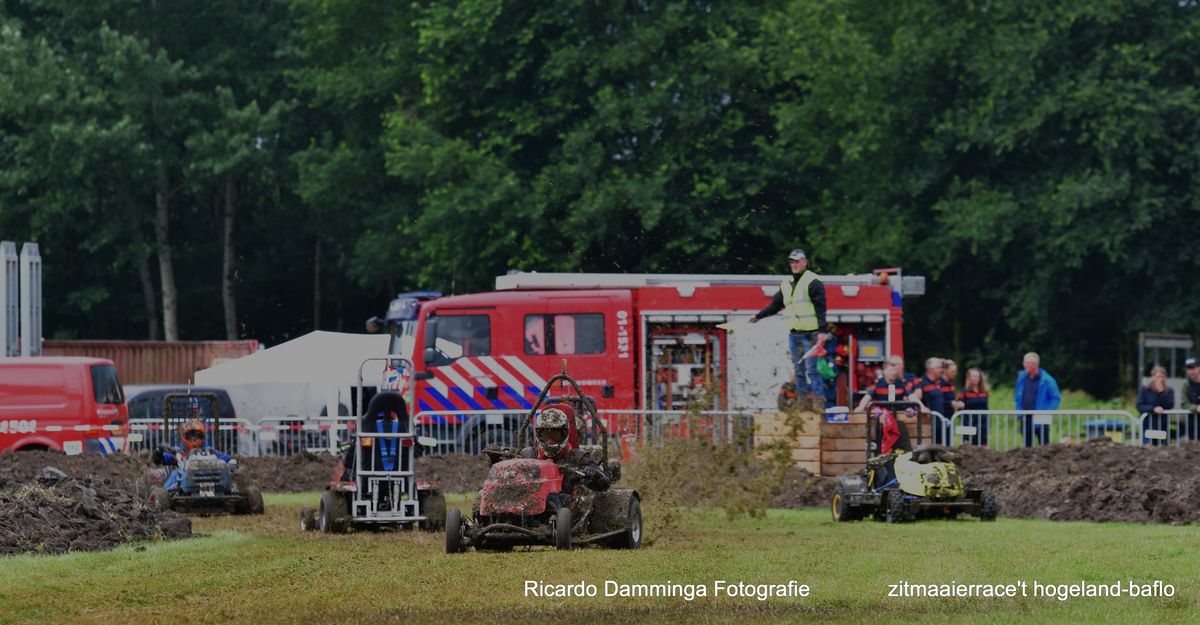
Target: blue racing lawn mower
<point>902,482</point>
<point>191,475</point>
<point>375,485</point>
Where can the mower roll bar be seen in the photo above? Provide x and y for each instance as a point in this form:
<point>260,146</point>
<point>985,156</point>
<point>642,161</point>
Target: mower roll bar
<point>587,404</point>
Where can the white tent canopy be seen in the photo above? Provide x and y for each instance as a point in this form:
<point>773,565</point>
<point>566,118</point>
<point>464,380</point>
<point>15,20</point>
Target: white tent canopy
<point>301,376</point>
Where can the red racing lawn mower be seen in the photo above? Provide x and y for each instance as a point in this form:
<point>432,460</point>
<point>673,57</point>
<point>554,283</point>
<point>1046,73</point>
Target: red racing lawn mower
<point>554,488</point>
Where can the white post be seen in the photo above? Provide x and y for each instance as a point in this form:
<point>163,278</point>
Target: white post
<point>9,298</point>
<point>31,300</point>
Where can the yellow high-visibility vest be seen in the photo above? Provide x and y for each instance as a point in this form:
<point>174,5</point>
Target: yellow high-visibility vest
<point>797,307</point>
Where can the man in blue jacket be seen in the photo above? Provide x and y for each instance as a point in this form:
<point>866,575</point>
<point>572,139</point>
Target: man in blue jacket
<point>1036,390</point>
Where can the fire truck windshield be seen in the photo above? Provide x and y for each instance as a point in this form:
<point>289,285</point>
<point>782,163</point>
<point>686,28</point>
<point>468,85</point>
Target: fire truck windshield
<point>402,342</point>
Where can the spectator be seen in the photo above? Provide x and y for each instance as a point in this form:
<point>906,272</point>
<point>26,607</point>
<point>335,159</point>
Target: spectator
<point>893,375</point>
<point>801,297</point>
<point>975,397</point>
<point>1036,390</point>
<point>1191,398</point>
<point>949,392</point>
<point>928,391</point>
<point>1153,401</point>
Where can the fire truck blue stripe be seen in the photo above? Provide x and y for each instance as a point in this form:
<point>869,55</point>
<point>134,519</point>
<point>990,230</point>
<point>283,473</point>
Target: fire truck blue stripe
<point>458,392</point>
<point>496,403</point>
<point>441,399</point>
<point>521,401</point>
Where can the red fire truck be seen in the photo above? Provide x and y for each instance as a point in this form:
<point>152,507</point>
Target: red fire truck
<point>636,342</point>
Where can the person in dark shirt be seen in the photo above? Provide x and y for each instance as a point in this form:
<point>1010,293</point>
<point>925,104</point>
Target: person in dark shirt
<point>1153,402</point>
<point>975,397</point>
<point>949,392</point>
<point>801,298</point>
<point>893,376</point>
<point>1191,399</point>
<point>928,391</point>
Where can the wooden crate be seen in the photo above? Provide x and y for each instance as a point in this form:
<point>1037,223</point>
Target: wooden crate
<point>802,437</point>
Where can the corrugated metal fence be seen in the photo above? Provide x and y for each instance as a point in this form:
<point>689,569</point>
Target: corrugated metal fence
<point>154,362</point>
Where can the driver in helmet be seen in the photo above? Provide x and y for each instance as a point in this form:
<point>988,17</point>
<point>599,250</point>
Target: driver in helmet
<point>552,437</point>
<point>192,436</point>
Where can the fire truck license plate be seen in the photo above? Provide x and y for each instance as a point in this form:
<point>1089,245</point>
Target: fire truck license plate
<point>208,490</point>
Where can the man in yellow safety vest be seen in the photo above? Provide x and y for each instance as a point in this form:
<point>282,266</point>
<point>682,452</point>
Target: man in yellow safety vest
<point>801,297</point>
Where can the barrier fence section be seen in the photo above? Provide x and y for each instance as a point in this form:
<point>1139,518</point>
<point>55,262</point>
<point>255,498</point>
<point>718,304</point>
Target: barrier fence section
<point>1008,429</point>
<point>450,431</point>
<point>1170,427</point>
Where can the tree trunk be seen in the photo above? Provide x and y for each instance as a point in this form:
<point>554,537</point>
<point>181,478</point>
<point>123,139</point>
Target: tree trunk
<point>152,330</point>
<point>316,312</point>
<point>229,273</point>
<point>166,267</point>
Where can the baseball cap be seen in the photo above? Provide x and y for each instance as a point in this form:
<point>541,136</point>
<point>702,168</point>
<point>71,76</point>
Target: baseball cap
<point>1191,362</point>
<point>797,254</point>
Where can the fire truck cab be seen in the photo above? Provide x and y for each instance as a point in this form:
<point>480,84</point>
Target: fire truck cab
<point>635,342</point>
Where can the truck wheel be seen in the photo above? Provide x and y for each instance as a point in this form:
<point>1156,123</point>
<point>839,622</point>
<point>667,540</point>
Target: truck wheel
<point>632,538</point>
<point>159,499</point>
<point>493,436</point>
<point>895,506</point>
<point>562,529</point>
<point>433,508</point>
<point>987,507</point>
<point>254,500</point>
<point>308,520</point>
<point>841,511</point>
<point>454,531</point>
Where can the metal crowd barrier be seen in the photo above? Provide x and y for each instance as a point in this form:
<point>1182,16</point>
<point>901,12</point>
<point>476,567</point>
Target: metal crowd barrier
<point>643,426</point>
<point>235,436</point>
<point>1009,429</point>
<point>1172,427</point>
<point>468,431</point>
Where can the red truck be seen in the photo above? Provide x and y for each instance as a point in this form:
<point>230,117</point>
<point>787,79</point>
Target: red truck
<point>62,403</point>
<point>636,342</point>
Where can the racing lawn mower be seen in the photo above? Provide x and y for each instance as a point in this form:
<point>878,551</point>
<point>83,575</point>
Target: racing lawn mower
<point>553,490</point>
<point>375,485</point>
<point>903,483</point>
<point>193,476</point>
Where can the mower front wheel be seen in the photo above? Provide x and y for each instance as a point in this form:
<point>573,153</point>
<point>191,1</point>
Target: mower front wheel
<point>895,506</point>
<point>308,520</point>
<point>842,512</point>
<point>454,531</point>
<point>562,529</point>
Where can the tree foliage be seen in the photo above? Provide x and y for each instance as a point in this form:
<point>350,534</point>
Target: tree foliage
<point>1036,161</point>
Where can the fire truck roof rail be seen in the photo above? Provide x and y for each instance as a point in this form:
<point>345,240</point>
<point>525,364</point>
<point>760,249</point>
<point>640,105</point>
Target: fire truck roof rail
<point>517,281</point>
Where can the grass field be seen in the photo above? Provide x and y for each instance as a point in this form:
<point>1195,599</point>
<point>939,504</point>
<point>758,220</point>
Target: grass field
<point>264,570</point>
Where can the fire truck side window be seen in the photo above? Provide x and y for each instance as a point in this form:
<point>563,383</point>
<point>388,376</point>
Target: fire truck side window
<point>464,335</point>
<point>564,334</point>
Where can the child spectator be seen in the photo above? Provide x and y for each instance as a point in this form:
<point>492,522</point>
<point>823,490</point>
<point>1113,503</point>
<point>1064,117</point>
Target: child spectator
<point>975,397</point>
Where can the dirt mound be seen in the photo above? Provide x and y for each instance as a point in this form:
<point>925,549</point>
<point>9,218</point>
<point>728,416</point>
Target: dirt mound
<point>453,473</point>
<point>298,473</point>
<point>1095,481</point>
<point>119,470</point>
<point>802,489</point>
<point>56,513</point>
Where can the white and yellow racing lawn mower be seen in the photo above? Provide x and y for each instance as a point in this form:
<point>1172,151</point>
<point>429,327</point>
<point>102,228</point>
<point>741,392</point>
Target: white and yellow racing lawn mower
<point>903,485</point>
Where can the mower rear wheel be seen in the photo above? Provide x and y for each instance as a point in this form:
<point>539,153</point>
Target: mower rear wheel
<point>159,499</point>
<point>838,506</point>
<point>334,514</point>
<point>987,507</point>
<point>895,506</point>
<point>454,532</point>
<point>632,538</point>
<point>562,529</point>
<point>254,500</point>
